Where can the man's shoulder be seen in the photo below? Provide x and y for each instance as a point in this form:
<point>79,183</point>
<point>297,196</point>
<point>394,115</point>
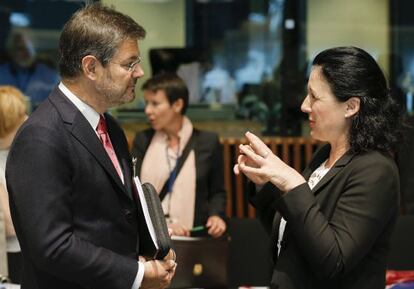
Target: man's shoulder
<point>45,116</point>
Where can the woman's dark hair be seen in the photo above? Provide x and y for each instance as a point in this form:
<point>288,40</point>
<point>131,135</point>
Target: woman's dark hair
<point>352,72</point>
<point>173,86</point>
<point>94,30</point>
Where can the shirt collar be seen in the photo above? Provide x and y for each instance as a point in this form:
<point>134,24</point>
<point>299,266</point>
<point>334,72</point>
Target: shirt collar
<point>183,130</point>
<point>91,115</point>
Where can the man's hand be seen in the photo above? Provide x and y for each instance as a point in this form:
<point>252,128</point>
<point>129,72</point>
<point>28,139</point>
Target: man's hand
<point>158,274</point>
<point>171,255</point>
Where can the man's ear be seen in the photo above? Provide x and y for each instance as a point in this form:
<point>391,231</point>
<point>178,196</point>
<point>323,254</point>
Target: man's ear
<point>89,66</point>
<point>352,106</point>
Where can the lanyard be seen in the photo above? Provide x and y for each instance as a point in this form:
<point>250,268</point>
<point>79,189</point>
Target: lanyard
<point>172,177</point>
<point>173,172</point>
<point>171,180</point>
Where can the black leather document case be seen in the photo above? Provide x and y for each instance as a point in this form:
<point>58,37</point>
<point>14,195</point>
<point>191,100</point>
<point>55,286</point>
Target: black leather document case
<point>158,244</point>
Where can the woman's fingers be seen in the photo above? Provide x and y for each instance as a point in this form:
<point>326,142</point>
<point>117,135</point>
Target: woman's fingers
<point>251,160</point>
<point>241,159</point>
<point>248,170</point>
<point>236,169</point>
<point>258,145</point>
<point>255,163</point>
<point>247,151</point>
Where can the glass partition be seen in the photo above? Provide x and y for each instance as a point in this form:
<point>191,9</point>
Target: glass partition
<point>245,62</point>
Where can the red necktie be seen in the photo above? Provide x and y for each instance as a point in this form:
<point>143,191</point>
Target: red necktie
<point>106,141</point>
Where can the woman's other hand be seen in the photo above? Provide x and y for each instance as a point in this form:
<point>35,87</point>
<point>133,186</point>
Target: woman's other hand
<point>216,226</point>
<point>179,230</point>
<point>260,165</point>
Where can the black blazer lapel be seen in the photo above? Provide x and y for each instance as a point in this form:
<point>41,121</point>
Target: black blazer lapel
<point>125,165</point>
<point>82,131</point>
<point>122,153</point>
<point>321,157</point>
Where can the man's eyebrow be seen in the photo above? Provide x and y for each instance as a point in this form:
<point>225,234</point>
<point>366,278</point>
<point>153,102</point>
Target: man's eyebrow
<point>134,58</point>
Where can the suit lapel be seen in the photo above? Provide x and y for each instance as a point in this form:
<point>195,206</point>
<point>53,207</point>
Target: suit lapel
<point>338,166</point>
<point>82,131</point>
<point>123,155</point>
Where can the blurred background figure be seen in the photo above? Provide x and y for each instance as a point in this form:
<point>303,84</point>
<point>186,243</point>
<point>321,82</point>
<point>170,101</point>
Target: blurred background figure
<point>13,112</point>
<point>183,163</point>
<point>25,71</point>
<point>218,86</point>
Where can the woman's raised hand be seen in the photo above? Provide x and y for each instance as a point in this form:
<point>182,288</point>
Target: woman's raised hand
<point>260,165</point>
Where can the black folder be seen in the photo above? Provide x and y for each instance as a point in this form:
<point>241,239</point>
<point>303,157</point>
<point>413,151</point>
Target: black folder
<point>159,243</point>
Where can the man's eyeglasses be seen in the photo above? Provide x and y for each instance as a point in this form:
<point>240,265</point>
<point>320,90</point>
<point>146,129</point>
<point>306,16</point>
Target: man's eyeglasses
<point>131,66</point>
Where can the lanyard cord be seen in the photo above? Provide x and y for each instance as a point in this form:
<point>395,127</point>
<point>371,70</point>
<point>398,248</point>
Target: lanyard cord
<point>172,177</point>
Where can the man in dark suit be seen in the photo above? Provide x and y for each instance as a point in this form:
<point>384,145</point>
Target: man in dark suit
<point>69,170</point>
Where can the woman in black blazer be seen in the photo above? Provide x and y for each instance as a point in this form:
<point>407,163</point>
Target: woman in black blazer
<point>183,163</point>
<point>330,227</point>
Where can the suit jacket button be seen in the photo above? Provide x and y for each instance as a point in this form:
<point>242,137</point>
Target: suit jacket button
<point>128,215</point>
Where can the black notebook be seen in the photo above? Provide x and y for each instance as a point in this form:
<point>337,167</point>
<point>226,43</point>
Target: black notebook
<point>150,204</point>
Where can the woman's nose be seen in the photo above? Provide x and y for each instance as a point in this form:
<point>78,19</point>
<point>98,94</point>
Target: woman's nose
<point>305,107</point>
<point>148,109</point>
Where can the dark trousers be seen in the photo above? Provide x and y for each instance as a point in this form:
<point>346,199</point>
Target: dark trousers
<point>15,264</point>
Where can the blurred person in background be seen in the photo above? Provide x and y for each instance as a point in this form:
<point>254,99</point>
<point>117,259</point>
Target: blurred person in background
<point>330,227</point>
<point>13,112</point>
<point>183,163</point>
<point>24,71</point>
